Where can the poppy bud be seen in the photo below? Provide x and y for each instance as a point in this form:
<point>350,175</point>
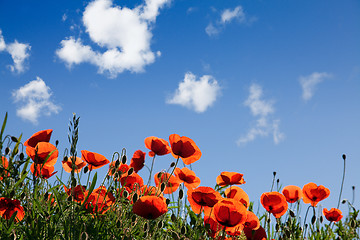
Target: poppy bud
<point>56,143</point>
<point>277,180</point>
<point>172,164</point>
<point>353,188</point>
<point>343,201</point>
<point>344,157</point>
<point>21,156</point>
<point>14,139</point>
<point>162,187</point>
<point>145,227</point>
<point>135,197</point>
<point>125,194</point>
<point>86,169</point>
<point>287,233</point>
<point>181,194</point>
<point>117,163</point>
<point>123,159</point>
<point>277,227</point>
<point>173,218</point>
<point>321,219</point>
<point>7,150</point>
<point>352,223</point>
<point>274,173</point>
<point>131,170</point>
<point>160,224</point>
<point>313,219</point>
<point>183,230</point>
<point>167,201</point>
<point>292,214</point>
<point>268,220</point>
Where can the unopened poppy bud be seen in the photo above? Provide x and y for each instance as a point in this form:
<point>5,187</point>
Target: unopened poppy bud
<point>344,157</point>
<point>160,224</point>
<point>353,187</point>
<point>343,201</point>
<point>274,173</point>
<point>306,225</point>
<point>172,164</point>
<point>7,150</point>
<point>14,139</point>
<point>268,220</point>
<point>183,230</point>
<point>173,218</point>
<point>181,194</point>
<point>167,201</point>
<point>277,180</point>
<point>145,227</point>
<point>107,177</point>
<point>292,214</point>
<point>21,156</point>
<point>123,159</point>
<point>125,194</point>
<point>135,197</point>
<point>86,169</point>
<point>352,223</point>
<point>313,219</point>
<point>288,233</point>
<point>277,227</point>
<point>131,170</point>
<point>162,187</point>
<point>321,219</point>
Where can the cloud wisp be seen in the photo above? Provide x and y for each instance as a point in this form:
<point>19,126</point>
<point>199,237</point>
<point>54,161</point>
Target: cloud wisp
<point>121,34</point>
<point>310,83</point>
<point>197,95</point>
<point>226,17</point>
<point>34,100</point>
<point>265,124</point>
<point>19,53</point>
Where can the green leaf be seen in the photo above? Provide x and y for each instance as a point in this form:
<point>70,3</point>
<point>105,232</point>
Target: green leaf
<point>90,189</point>
<point>3,126</point>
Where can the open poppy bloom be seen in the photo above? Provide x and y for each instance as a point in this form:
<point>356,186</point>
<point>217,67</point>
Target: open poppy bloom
<point>259,234</point>
<point>41,136</point>
<point>123,168</point>
<point>185,148</point>
<point>230,178</point>
<point>9,206</point>
<point>203,199</point>
<point>131,181</point>
<point>137,161</point>
<point>333,215</point>
<point>44,171</point>
<point>237,193</point>
<point>314,194</point>
<point>172,182</point>
<point>78,165</point>
<point>158,146</point>
<point>43,153</point>
<point>150,207</point>
<point>3,168</point>
<point>188,177</point>
<point>292,193</point>
<point>274,203</point>
<point>230,213</point>
<point>214,226</point>
<point>78,193</point>
<point>99,201</point>
<point>95,160</point>
<point>252,221</point>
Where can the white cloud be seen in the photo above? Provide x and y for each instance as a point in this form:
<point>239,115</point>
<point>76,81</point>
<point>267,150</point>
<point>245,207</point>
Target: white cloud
<point>309,83</point>
<point>265,124</point>
<point>19,53</point>
<point>227,16</point>
<point>34,99</point>
<point>197,95</point>
<point>123,35</point>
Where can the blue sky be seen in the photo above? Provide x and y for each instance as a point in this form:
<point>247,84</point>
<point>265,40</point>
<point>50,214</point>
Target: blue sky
<point>260,86</point>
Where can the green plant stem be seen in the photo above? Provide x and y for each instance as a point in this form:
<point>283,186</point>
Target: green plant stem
<point>342,183</point>
<point>151,169</point>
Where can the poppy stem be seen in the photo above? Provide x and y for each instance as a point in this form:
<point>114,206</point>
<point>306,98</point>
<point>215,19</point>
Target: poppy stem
<point>273,182</point>
<point>306,216</point>
<point>177,161</point>
<point>342,182</point>
<point>151,169</point>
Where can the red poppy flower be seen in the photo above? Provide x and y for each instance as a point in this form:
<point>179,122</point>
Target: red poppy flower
<point>79,193</point>
<point>238,194</point>
<point>230,178</point>
<point>230,213</point>
<point>259,234</point>
<point>67,164</point>
<point>252,221</point>
<point>123,168</point>
<point>157,146</point>
<point>5,165</point>
<point>95,160</point>
<point>172,182</point>
<point>292,193</point>
<point>333,215</point>
<point>202,199</point>
<point>150,207</point>
<point>43,151</point>
<point>43,171</point>
<point>41,136</point>
<point>9,206</point>
<point>214,226</point>
<point>274,203</point>
<point>185,148</point>
<point>138,160</point>
<point>100,200</point>
<point>188,177</point>
<point>131,181</point>
<point>314,194</point>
